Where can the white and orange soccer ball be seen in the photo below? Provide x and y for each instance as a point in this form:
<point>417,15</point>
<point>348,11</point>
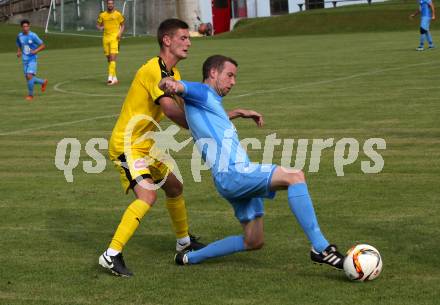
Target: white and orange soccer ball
<point>362,263</point>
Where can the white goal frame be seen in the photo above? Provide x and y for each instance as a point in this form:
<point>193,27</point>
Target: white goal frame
<point>53,10</point>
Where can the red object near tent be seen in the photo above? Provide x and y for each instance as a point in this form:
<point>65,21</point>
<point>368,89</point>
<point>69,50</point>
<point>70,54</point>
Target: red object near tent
<point>221,15</point>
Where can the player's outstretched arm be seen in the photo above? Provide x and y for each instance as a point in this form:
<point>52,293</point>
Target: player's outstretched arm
<point>170,86</point>
<point>169,107</point>
<point>247,114</point>
<point>40,48</point>
<point>173,111</point>
<point>414,14</point>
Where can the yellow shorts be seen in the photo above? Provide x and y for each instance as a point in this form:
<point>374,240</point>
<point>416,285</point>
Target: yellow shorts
<point>140,166</point>
<point>110,45</point>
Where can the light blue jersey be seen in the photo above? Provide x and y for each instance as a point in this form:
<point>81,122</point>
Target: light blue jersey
<point>243,187</point>
<point>242,183</point>
<point>425,10</point>
<point>212,129</point>
<point>27,43</point>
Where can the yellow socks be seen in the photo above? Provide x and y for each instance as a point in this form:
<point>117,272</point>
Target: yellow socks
<point>129,223</point>
<point>137,210</point>
<point>112,68</point>
<point>177,210</point>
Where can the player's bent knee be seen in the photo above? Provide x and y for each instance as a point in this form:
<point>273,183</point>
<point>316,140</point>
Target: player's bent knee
<point>143,192</point>
<point>174,191</point>
<point>148,198</point>
<point>172,187</point>
<point>258,245</point>
<point>254,245</point>
<point>423,31</point>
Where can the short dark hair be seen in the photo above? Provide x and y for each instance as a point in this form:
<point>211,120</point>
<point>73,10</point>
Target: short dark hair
<point>24,21</point>
<point>169,27</point>
<point>216,62</point>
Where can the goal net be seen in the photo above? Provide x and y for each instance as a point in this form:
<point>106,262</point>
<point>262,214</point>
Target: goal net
<point>78,17</point>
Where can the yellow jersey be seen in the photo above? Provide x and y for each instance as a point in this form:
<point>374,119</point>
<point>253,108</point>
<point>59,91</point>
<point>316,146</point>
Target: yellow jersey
<point>112,22</point>
<point>141,111</point>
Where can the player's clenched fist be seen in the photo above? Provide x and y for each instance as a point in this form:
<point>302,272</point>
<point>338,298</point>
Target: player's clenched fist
<point>169,86</point>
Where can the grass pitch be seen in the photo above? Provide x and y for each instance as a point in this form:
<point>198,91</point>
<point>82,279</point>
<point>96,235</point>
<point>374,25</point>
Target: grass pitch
<point>318,86</point>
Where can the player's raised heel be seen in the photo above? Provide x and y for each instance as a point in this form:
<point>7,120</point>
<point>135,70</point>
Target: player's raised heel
<point>44,85</point>
<point>181,258</point>
<point>115,264</point>
<point>114,81</point>
<point>330,256</point>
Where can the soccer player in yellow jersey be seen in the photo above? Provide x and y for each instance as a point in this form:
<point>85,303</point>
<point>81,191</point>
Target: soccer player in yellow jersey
<point>112,22</point>
<point>140,169</point>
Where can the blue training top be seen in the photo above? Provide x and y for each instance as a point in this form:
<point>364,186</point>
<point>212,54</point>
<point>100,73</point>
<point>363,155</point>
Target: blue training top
<point>425,10</point>
<point>215,136</point>
<point>27,43</point>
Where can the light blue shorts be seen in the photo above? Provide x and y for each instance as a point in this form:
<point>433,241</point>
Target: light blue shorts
<point>425,22</point>
<point>245,190</point>
<point>30,67</point>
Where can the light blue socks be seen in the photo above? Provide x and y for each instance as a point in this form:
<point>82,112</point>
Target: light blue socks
<point>228,245</point>
<point>302,207</point>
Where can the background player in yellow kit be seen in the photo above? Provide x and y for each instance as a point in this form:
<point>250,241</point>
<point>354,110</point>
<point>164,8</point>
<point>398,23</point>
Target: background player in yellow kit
<point>144,106</point>
<point>112,22</point>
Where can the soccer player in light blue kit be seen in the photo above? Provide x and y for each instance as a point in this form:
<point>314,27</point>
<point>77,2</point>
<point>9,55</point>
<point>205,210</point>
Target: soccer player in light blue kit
<point>243,183</point>
<point>29,44</point>
<point>427,12</point>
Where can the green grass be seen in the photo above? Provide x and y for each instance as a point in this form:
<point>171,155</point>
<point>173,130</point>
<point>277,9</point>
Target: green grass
<point>336,85</point>
<point>378,17</point>
<point>58,41</point>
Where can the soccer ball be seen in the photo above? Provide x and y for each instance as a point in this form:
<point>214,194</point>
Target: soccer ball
<point>362,263</point>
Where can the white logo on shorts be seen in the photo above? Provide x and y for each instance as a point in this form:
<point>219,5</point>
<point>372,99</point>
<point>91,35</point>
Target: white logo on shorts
<point>139,164</point>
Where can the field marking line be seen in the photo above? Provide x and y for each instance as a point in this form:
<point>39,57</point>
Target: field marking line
<point>58,124</point>
<point>377,71</point>
<point>57,87</point>
<point>328,81</point>
<point>75,34</point>
<point>98,34</point>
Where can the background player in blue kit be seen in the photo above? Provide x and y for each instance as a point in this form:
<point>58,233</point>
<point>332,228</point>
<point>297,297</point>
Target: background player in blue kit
<point>242,183</point>
<point>427,12</point>
<point>29,44</point>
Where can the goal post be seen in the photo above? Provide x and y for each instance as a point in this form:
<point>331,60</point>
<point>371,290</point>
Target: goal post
<point>78,17</point>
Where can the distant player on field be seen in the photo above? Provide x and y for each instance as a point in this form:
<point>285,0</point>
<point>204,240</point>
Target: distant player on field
<point>242,183</point>
<point>112,22</point>
<point>427,13</point>
<point>29,45</point>
<point>140,170</point>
